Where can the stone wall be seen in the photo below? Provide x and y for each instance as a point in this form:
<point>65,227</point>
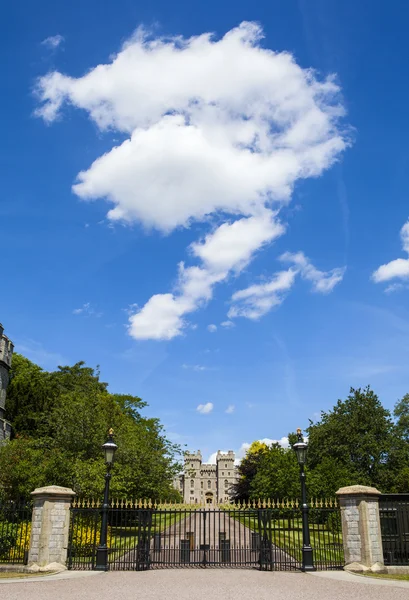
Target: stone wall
<point>361,528</point>
<point>50,528</point>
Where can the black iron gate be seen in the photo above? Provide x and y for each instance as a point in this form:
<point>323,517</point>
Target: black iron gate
<point>147,537</point>
<point>394,516</point>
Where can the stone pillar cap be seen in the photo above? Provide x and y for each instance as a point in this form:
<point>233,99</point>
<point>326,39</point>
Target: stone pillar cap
<point>358,490</point>
<point>53,490</point>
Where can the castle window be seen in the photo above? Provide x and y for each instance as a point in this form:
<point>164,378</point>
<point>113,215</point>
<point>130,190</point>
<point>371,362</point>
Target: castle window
<point>192,491</point>
<point>192,465</point>
<point>209,484</point>
<point>225,466</point>
<point>192,483</point>
<point>201,484</point>
<point>228,473</point>
<point>223,473</point>
<point>226,484</point>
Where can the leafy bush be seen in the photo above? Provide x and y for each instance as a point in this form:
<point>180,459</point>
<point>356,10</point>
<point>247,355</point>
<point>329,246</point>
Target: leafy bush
<point>86,536</point>
<point>14,539</point>
<point>8,538</point>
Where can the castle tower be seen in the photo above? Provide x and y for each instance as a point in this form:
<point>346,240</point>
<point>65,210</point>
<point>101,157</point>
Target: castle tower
<point>226,475</point>
<point>192,477</point>
<point>6,353</point>
<point>207,484</point>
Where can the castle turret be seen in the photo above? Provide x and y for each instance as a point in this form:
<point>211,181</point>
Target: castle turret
<point>6,353</point>
<point>226,475</point>
<point>191,491</point>
<point>207,483</point>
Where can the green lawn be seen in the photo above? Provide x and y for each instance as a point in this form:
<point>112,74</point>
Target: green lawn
<point>287,535</point>
<point>387,576</point>
<point>13,575</point>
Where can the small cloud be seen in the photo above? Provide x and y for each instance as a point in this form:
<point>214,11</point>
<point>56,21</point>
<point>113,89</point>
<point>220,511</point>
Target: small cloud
<point>394,287</point>
<point>195,367</point>
<point>129,310</point>
<point>205,409</point>
<point>395,269</point>
<point>230,409</point>
<point>250,405</point>
<point>212,328</point>
<point>283,442</point>
<point>87,310</point>
<point>228,324</point>
<point>53,41</point>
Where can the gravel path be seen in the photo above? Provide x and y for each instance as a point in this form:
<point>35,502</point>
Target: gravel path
<point>201,584</point>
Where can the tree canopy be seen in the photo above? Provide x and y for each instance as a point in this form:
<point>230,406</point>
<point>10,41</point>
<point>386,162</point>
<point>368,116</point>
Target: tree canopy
<point>60,420</point>
<point>357,442</point>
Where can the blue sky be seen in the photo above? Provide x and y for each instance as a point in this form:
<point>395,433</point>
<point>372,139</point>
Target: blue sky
<point>282,190</point>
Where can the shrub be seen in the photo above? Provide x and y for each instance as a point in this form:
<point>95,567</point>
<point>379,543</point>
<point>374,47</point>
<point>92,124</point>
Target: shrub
<point>8,537</point>
<point>14,539</point>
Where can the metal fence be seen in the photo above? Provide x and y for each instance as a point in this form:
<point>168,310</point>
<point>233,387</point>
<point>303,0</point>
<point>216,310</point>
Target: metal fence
<point>15,531</point>
<point>267,536</point>
<point>394,516</point>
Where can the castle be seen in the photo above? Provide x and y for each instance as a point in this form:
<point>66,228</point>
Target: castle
<point>203,483</point>
<point>6,352</point>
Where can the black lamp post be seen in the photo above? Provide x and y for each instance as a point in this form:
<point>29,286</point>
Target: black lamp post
<point>301,451</point>
<point>102,550</point>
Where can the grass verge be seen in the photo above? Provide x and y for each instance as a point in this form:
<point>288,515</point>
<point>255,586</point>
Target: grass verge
<point>13,575</point>
<point>388,576</point>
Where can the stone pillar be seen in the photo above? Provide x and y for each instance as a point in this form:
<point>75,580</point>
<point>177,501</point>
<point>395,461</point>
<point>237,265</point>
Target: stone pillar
<point>361,528</point>
<point>50,528</point>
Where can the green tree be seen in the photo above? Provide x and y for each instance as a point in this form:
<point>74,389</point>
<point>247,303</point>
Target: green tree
<point>29,395</point>
<point>357,435</point>
<point>277,474</point>
<point>58,440</point>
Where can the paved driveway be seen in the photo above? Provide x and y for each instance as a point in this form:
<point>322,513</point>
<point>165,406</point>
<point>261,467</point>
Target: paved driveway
<point>204,584</point>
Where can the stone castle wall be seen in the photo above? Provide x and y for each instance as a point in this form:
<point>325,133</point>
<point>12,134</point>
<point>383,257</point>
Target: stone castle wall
<point>203,483</point>
<point>6,353</point>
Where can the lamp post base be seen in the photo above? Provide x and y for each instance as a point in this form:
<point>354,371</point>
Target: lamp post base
<point>102,559</point>
<point>307,559</point>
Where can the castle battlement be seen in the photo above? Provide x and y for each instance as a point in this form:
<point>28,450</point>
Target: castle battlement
<point>193,456</point>
<point>230,455</point>
<point>207,483</point>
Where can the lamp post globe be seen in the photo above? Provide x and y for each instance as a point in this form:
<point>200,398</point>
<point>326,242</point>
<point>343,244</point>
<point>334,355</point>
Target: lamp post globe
<point>109,449</point>
<point>300,448</point>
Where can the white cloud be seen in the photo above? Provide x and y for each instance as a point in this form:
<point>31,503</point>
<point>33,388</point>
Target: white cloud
<point>268,441</point>
<point>195,367</point>
<point>398,268</point>
<point>228,324</point>
<point>163,316</point>
<point>230,409</point>
<point>394,287</point>
<point>212,328</point>
<point>205,409</point>
<point>53,41</point>
<point>214,127</point>
<point>255,301</point>
<point>232,245</point>
<point>322,282</point>
<point>88,310</point>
